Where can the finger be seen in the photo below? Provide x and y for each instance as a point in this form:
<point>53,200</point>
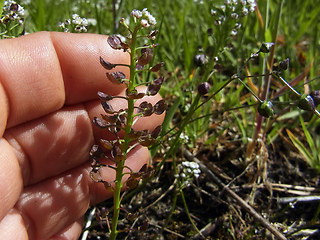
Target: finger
<point>49,206</point>
<point>72,232</point>
<point>10,178</point>
<point>12,226</point>
<point>62,140</point>
<point>41,72</point>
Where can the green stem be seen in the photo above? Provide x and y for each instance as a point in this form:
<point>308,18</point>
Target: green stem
<point>126,143</point>
<point>187,211</point>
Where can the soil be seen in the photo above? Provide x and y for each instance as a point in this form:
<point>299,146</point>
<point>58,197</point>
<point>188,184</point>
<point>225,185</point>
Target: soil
<point>276,182</point>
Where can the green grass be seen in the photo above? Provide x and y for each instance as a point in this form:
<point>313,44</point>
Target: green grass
<point>183,29</point>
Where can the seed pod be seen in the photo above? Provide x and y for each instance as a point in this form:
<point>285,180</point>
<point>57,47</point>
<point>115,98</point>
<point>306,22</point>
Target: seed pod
<point>157,67</point>
<point>306,103</point>
<point>156,132</point>
<point>265,109</point>
<point>116,77</point>
<point>103,96</point>
<point>160,107</point>
<point>203,88</point>
<point>132,182</point>
<point>134,94</point>
<point>145,108</point>
<point>153,89</point>
<point>107,107</point>
<point>100,122</point>
<point>106,64</point>
<point>146,56</point>
<point>115,42</point>
<point>158,81</point>
<point>96,152</point>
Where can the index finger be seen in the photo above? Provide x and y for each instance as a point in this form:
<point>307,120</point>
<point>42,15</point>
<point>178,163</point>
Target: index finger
<point>41,72</point>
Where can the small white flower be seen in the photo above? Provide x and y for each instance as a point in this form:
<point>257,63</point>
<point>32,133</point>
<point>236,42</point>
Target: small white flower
<point>144,23</point>
<point>213,12</point>
<point>234,33</point>
<point>136,13</point>
<point>234,15</point>
<point>245,11</point>
<point>237,26</point>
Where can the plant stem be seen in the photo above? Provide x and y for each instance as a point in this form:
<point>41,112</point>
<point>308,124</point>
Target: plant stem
<point>126,143</point>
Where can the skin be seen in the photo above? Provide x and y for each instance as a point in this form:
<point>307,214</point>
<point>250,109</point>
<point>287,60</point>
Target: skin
<point>48,87</point>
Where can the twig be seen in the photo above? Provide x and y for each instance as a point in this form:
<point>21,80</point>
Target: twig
<point>239,200</point>
<point>166,229</point>
<point>298,199</point>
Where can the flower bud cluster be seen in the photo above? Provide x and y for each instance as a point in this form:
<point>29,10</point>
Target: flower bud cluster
<point>12,11</point>
<point>233,9</point>
<point>188,171</point>
<point>146,19</point>
<point>76,24</point>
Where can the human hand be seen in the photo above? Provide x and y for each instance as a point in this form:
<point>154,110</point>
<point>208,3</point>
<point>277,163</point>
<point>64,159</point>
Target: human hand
<point>49,83</point>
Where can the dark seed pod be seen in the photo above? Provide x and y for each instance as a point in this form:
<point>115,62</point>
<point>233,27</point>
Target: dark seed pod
<point>134,94</point>
<point>306,103</point>
<point>200,60</point>
<point>316,97</point>
<point>116,77</point>
<point>158,81</point>
<point>100,122</point>
<point>153,89</point>
<point>103,96</point>
<point>160,107</point>
<point>146,56</point>
<point>203,88</point>
<point>265,109</point>
<point>96,152</point>
<point>115,42</point>
<point>132,182</point>
<point>145,108</point>
<point>157,67</point>
<point>116,152</point>
<point>106,64</point>
<point>107,107</point>
<point>284,64</point>
<point>156,132</point>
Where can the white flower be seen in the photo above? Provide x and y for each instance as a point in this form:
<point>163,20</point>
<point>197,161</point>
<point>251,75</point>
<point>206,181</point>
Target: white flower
<point>136,13</point>
<point>245,11</point>
<point>234,15</point>
<point>144,23</point>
